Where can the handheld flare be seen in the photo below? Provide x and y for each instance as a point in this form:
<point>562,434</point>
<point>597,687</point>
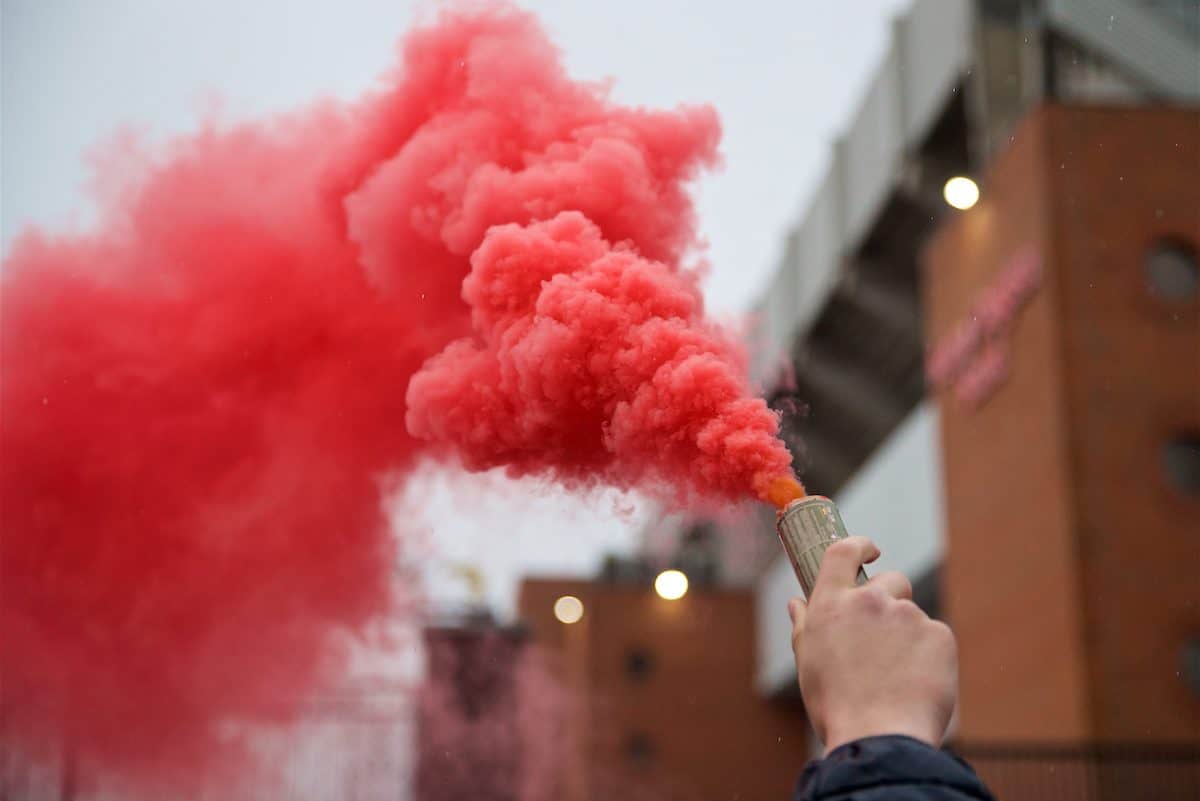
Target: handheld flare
<point>807,526</point>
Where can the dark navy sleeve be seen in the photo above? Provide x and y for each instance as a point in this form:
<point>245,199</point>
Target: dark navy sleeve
<point>891,768</point>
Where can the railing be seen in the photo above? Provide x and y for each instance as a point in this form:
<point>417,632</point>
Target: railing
<point>1106,772</point>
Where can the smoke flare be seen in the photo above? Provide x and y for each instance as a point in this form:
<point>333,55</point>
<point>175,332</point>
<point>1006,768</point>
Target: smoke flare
<point>204,398</point>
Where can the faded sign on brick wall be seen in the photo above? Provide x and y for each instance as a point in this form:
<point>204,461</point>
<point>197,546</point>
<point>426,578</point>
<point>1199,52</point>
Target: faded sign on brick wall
<point>974,358</point>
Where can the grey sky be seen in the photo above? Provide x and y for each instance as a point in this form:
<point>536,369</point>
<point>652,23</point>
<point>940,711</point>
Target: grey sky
<point>783,75</point>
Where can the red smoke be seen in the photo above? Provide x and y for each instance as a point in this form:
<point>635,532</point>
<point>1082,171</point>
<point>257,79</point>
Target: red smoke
<point>204,398</point>
<point>592,361</point>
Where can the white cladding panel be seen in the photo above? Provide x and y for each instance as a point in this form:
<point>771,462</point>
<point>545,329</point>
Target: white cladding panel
<point>934,40</point>
<point>873,148</point>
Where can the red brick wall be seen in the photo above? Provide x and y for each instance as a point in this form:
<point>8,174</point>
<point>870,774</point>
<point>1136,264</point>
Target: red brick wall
<point>1011,577</point>
<point>1070,575</point>
<point>1120,180</point>
<point>711,735</point>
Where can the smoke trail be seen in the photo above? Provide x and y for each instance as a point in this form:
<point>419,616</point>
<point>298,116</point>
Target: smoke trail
<point>204,397</point>
<point>592,361</point>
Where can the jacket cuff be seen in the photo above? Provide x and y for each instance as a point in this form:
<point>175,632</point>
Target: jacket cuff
<point>887,760</point>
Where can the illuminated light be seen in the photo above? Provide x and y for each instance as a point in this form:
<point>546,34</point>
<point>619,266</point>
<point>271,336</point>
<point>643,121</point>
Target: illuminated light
<point>671,585</point>
<point>961,193</point>
<point>568,609</point>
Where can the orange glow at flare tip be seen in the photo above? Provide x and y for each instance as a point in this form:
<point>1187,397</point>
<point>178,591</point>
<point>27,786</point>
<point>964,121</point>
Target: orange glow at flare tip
<point>783,490</point>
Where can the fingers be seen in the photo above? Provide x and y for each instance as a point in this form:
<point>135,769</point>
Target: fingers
<point>839,568</point>
<point>894,584</point>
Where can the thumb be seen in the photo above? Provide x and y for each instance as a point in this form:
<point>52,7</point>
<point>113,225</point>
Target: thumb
<point>797,610</point>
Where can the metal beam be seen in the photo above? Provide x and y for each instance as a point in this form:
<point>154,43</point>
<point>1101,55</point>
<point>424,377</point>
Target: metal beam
<point>1136,39</point>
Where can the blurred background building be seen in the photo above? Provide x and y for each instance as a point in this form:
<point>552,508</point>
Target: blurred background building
<point>984,337</point>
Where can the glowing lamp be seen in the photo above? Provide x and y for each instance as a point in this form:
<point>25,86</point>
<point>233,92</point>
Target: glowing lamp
<point>568,609</point>
<point>961,193</point>
<point>671,585</point>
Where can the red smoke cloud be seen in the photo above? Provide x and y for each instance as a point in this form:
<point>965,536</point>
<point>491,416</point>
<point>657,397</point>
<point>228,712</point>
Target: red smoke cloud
<point>204,398</point>
<point>589,361</point>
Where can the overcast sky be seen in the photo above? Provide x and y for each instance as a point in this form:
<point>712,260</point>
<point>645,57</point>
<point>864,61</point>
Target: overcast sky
<point>784,76</point>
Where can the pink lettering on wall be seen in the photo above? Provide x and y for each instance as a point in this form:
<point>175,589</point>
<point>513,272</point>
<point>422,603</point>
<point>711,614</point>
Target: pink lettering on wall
<point>986,372</point>
<point>973,358</point>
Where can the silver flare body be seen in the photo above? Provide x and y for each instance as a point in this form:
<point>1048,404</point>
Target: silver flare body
<point>806,528</point>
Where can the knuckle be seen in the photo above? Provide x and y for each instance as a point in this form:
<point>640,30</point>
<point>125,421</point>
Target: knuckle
<point>842,548</point>
<point>944,633</point>
<point>898,580</point>
<point>872,597</point>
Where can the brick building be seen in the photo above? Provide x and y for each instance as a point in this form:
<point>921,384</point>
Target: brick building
<point>667,707</point>
<point>1071,539</point>
<point>1007,397</point>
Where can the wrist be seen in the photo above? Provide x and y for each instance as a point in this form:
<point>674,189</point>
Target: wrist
<point>846,731</point>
